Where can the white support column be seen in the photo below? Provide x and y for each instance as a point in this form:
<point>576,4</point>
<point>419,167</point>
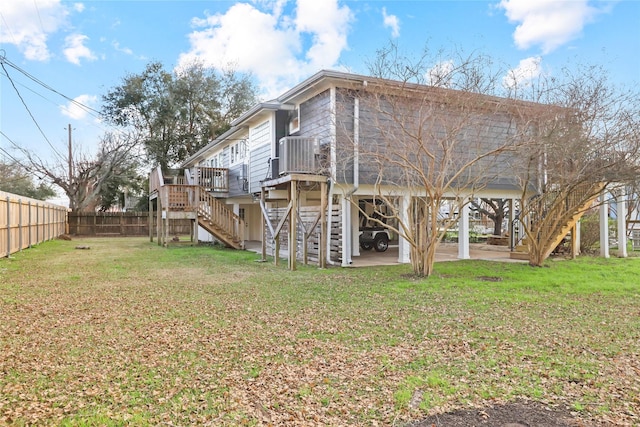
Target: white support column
<point>463,233</point>
<point>355,228</point>
<point>604,226</point>
<point>622,223</point>
<point>404,249</point>
<point>577,229</point>
<point>346,232</point>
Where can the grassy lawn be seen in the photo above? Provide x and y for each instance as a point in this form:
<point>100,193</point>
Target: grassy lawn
<point>128,333</point>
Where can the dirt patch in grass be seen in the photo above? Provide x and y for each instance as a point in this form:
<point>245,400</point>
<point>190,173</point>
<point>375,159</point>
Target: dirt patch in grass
<point>489,278</point>
<point>518,414</point>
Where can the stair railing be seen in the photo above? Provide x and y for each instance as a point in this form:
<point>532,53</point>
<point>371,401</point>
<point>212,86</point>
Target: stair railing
<point>220,216</point>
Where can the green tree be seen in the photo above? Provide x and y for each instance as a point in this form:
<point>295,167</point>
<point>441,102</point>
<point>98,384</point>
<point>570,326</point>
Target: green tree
<point>15,179</point>
<point>125,179</point>
<point>177,113</point>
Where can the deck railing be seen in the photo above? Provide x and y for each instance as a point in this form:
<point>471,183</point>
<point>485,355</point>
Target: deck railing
<point>213,179</point>
<point>155,180</point>
<point>177,197</point>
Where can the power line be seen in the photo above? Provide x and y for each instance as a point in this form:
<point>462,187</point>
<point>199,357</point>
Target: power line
<point>4,60</point>
<point>29,111</point>
<point>91,111</point>
<point>39,17</point>
<point>9,154</point>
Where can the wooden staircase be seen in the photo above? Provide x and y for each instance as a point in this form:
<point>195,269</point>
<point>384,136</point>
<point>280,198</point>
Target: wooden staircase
<point>215,217</point>
<point>558,219</point>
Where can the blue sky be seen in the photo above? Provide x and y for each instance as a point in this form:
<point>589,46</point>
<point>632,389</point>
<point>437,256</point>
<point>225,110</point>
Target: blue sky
<point>82,49</point>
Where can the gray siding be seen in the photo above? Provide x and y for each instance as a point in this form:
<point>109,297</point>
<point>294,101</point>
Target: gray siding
<point>345,137</point>
<point>237,174</point>
<point>436,138</point>
<point>259,167</point>
<point>315,118</point>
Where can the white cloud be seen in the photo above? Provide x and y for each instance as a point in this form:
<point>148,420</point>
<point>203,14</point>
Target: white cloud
<point>547,23</point>
<point>441,74</point>
<point>76,111</point>
<point>391,21</point>
<point>28,25</point>
<point>75,49</point>
<point>78,7</point>
<point>521,77</point>
<point>276,47</point>
<point>125,50</point>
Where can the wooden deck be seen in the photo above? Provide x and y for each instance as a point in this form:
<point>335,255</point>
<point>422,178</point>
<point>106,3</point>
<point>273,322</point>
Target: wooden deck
<point>195,202</point>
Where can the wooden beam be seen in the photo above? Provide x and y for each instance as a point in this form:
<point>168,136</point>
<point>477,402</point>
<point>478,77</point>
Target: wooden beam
<point>294,177</point>
<point>283,219</point>
<point>150,220</point>
<point>322,261</point>
<point>574,240</point>
<point>263,227</point>
<point>265,214</point>
<point>293,226</point>
<point>159,220</point>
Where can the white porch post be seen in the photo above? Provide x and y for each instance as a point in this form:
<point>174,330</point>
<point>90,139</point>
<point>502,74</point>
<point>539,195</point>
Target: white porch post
<point>622,223</point>
<point>404,249</point>
<point>355,228</point>
<point>604,226</point>
<point>463,233</point>
<point>346,232</point>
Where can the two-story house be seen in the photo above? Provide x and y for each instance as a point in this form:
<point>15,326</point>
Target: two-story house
<point>296,173</point>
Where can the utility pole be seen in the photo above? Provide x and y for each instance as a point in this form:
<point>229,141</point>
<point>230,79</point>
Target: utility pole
<point>70,158</point>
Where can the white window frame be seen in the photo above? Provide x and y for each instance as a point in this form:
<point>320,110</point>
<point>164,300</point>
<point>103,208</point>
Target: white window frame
<point>294,120</point>
<point>238,152</point>
<point>216,160</point>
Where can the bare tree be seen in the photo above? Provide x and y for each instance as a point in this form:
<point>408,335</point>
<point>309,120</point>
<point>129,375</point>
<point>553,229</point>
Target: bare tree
<point>590,145</point>
<point>495,209</point>
<point>89,174</point>
<point>421,147</point>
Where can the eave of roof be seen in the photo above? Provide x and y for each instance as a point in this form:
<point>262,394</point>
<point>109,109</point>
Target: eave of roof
<point>200,153</point>
<point>256,109</point>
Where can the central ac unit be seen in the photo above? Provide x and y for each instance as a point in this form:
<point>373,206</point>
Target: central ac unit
<point>298,155</point>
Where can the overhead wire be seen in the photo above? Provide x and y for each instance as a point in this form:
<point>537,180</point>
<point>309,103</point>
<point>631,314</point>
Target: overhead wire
<point>39,17</point>
<point>91,111</point>
<point>15,160</point>
<point>2,62</point>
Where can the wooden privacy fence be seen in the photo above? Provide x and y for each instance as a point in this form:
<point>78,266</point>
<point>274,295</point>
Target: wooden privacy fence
<point>25,222</point>
<point>119,224</point>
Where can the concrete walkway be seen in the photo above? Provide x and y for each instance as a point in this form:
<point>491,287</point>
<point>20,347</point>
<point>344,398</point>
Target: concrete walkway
<point>446,252</point>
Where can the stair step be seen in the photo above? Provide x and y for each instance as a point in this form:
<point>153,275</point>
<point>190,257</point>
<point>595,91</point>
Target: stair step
<point>519,255</point>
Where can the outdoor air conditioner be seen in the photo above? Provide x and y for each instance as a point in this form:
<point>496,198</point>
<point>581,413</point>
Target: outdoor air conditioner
<point>298,155</point>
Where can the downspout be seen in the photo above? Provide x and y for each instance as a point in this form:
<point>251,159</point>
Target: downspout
<point>356,166</point>
<point>347,223</point>
<point>329,216</point>
<point>333,173</point>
